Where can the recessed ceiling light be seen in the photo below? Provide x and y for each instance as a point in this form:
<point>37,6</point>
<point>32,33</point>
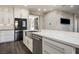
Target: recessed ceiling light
<point>71,6</point>
<point>44,9</point>
<point>39,9</point>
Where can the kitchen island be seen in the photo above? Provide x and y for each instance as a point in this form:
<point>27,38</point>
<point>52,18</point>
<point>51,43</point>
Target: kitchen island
<point>59,42</point>
<point>52,42</point>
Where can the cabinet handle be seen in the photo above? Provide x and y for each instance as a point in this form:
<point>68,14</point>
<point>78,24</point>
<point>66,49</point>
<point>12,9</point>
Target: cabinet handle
<point>37,39</point>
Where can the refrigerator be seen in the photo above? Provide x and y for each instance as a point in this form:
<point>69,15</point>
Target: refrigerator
<point>20,24</point>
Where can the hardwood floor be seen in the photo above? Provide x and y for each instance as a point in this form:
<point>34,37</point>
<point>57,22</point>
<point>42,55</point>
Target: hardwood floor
<point>14,48</point>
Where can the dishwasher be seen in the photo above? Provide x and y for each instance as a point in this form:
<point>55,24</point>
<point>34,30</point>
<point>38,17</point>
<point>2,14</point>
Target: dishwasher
<point>37,44</point>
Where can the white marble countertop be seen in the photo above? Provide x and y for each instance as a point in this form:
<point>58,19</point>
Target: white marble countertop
<point>68,38</point>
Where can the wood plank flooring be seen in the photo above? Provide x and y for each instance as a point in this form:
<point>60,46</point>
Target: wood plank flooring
<point>14,48</point>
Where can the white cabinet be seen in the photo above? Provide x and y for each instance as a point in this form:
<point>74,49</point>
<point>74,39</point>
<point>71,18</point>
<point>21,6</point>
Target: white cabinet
<point>21,13</point>
<point>28,42</point>
<point>52,47</point>
<point>24,13</point>
<point>1,18</point>
<point>7,15</point>
<point>17,12</point>
<point>6,18</point>
<point>6,36</point>
<point>10,19</point>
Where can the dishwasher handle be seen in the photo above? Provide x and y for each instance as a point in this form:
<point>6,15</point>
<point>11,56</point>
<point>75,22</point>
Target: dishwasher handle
<point>36,37</point>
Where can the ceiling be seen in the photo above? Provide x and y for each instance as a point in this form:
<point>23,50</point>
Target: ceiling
<point>34,9</point>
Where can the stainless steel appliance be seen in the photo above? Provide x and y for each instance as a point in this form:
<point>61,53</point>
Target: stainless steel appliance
<point>37,44</point>
<point>20,24</point>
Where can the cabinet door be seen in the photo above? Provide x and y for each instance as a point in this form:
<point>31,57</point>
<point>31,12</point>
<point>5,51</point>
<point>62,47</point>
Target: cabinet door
<point>7,36</point>
<point>17,12</point>
<point>5,17</point>
<point>28,41</point>
<point>10,19</point>
<point>25,41</point>
<point>1,18</point>
<point>29,44</point>
<point>0,15</point>
<point>53,47</point>
<point>24,13</point>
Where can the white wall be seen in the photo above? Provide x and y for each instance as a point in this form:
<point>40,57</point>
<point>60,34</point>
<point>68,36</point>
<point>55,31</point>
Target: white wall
<point>41,22</point>
<point>52,21</point>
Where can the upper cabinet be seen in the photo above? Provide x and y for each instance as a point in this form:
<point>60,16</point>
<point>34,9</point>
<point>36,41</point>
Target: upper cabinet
<point>1,16</point>
<point>21,13</point>
<point>17,13</point>
<point>6,18</point>
<point>11,17</point>
<point>7,15</point>
<point>24,13</point>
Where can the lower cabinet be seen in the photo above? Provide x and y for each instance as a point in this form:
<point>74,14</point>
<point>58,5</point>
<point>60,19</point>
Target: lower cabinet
<point>52,47</point>
<point>6,36</point>
<point>49,46</point>
<point>28,42</point>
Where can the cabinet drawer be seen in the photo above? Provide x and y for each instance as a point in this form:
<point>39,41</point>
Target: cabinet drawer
<point>7,36</point>
<point>56,47</point>
<point>49,48</point>
<point>28,42</point>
